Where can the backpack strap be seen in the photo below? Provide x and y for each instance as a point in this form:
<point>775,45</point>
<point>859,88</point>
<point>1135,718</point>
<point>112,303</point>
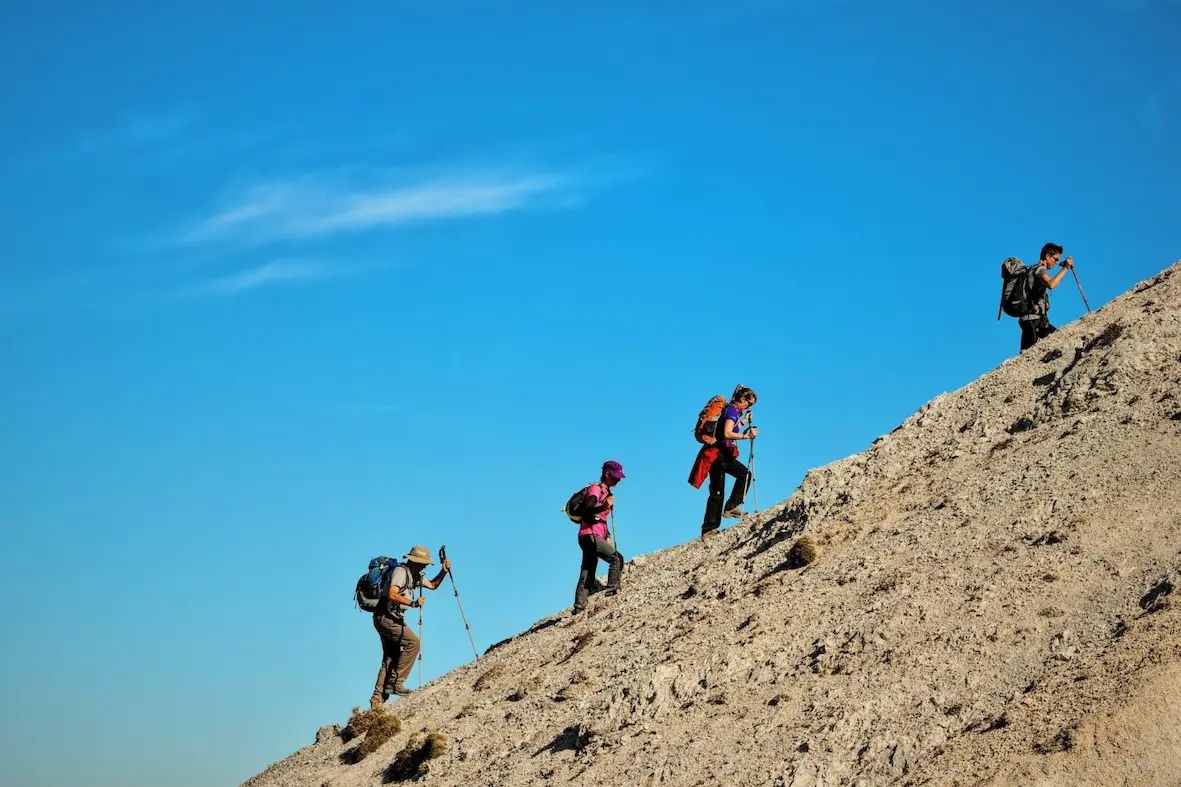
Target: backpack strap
<point>599,509</point>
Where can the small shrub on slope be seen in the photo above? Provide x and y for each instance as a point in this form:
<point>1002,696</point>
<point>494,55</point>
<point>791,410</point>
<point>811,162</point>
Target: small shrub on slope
<point>413,761</point>
<point>802,552</point>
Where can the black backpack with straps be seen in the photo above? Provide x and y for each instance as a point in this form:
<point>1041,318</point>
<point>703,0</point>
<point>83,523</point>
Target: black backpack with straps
<point>580,506</point>
<point>1017,288</point>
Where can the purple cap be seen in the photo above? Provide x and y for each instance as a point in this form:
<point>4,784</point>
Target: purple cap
<point>613,469</point>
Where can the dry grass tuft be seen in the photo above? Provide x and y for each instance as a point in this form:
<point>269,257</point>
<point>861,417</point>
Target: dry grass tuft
<point>377,725</point>
<point>383,728</point>
<point>802,552</point>
<point>414,760</point>
<point>358,723</point>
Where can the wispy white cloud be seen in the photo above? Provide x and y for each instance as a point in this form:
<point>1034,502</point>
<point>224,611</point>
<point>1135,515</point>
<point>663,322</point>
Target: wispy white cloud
<point>318,205</point>
<point>278,273</point>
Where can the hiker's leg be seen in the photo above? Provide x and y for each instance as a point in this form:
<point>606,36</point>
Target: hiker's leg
<point>586,575</point>
<point>1028,335</point>
<point>605,551</point>
<point>409,646</point>
<point>741,482</point>
<point>1044,328</point>
<point>717,490</point>
<point>389,657</point>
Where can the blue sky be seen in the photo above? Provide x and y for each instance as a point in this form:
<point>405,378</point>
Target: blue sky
<point>284,287</point>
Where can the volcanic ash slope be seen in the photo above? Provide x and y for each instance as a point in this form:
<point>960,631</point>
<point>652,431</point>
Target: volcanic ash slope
<point>989,601</point>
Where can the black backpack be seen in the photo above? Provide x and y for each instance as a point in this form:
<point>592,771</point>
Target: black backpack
<point>1017,298</point>
<point>579,506</point>
<point>374,585</point>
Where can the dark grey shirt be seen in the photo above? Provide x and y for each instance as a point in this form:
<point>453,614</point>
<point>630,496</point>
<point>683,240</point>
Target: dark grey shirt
<point>1039,293</point>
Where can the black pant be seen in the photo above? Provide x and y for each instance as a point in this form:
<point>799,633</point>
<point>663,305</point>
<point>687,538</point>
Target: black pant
<point>1032,330</point>
<point>594,548</point>
<point>717,489</point>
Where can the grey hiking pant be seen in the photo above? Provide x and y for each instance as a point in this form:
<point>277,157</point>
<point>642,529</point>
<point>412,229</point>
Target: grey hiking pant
<point>399,649</point>
<point>594,549</point>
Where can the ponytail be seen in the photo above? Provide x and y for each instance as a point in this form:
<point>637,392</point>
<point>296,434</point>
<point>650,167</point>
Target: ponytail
<point>742,392</point>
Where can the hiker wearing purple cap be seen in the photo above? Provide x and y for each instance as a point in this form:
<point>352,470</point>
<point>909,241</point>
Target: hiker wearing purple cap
<point>726,432</point>
<point>593,536</point>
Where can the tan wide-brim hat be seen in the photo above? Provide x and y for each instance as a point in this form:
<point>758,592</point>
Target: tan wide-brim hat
<point>419,555</point>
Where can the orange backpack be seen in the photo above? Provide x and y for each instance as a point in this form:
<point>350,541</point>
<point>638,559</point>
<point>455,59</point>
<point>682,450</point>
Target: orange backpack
<point>707,420</point>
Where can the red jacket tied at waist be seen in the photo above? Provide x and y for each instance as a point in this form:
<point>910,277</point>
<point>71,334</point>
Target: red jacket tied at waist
<point>705,459</point>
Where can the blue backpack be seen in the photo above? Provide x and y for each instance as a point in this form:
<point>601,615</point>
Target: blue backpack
<point>374,585</point>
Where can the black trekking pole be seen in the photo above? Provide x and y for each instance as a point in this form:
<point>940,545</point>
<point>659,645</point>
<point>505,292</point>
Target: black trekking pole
<point>442,557</point>
<point>753,479</point>
<point>750,462</point>
<point>1080,289</point>
<point>420,592</point>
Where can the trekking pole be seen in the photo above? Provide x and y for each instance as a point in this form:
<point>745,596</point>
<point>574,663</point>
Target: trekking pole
<point>420,592</point>
<point>614,537</point>
<point>753,478</point>
<point>1080,289</point>
<point>442,557</point>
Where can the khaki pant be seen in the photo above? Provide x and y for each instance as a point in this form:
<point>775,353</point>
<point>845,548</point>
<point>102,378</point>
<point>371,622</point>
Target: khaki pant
<point>398,646</point>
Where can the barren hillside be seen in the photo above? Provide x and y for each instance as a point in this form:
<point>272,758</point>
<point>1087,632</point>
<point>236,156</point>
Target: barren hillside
<point>991,604</point>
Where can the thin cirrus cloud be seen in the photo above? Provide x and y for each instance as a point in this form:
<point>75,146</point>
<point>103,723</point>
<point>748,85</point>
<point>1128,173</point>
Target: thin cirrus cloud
<point>279,273</point>
<point>315,207</point>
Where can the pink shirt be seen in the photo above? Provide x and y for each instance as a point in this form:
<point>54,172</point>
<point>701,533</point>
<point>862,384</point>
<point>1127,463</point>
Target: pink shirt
<point>597,495</point>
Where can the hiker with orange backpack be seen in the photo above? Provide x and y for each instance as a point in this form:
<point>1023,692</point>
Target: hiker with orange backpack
<point>721,459</point>
<point>590,507</point>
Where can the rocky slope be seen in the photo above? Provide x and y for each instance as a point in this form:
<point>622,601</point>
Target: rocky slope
<point>991,604</point>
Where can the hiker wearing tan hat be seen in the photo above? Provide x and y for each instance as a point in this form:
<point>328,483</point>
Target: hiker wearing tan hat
<point>399,645</point>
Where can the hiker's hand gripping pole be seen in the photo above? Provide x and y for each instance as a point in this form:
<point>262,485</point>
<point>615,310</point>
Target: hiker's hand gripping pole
<point>471,639</point>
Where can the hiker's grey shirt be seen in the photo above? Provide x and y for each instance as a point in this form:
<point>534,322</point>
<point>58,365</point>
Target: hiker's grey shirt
<point>1041,306</point>
<point>403,580</point>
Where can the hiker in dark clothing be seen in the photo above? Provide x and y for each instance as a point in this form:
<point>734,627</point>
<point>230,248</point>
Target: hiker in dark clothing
<point>594,537</point>
<point>1036,325</point>
<point>399,645</point>
<point>727,462</point>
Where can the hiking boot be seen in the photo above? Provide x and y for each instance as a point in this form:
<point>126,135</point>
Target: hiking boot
<point>610,591</point>
<point>578,608</point>
<point>734,513</point>
<point>708,533</point>
<point>400,690</point>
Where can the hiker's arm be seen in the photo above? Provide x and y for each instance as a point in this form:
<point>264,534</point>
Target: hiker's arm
<point>728,431</point>
<point>398,598</point>
<point>1054,282</point>
<point>600,505</point>
<point>431,584</point>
